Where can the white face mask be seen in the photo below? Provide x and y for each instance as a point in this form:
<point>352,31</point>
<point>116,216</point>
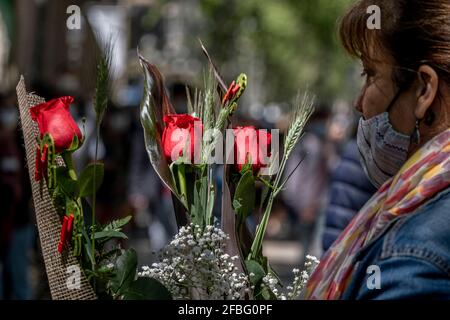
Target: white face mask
<point>383,150</point>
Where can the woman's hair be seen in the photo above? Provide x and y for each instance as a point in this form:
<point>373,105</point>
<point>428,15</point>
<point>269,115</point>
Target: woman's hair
<point>413,32</point>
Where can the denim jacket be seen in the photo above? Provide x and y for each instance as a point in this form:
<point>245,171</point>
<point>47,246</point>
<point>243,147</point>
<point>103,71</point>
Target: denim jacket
<point>409,259</point>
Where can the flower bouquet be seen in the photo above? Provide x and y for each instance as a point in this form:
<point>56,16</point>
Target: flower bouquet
<point>217,257</point>
<point>211,257</point>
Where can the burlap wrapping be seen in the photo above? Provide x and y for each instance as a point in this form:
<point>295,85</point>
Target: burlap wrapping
<point>62,270</point>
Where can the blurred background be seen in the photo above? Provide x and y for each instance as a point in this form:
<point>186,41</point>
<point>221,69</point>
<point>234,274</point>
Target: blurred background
<point>284,46</point>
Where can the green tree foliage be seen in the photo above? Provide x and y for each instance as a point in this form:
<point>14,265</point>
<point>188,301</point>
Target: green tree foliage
<point>295,40</point>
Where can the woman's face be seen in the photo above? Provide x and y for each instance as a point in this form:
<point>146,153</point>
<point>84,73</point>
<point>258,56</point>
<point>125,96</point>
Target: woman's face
<point>379,91</point>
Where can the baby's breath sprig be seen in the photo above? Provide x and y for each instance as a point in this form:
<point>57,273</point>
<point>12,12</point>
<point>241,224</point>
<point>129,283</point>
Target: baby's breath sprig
<point>298,284</point>
<point>194,265</point>
<point>301,278</point>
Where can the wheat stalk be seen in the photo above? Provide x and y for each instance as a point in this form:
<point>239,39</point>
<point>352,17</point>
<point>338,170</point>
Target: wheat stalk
<point>100,104</point>
<point>208,109</point>
<point>102,83</point>
<point>303,111</point>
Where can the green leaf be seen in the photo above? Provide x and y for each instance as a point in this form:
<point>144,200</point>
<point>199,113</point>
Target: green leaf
<point>228,224</point>
<point>244,196</point>
<point>117,224</point>
<point>203,201</point>
<point>210,206</point>
<point>178,171</point>
<point>86,179</point>
<point>198,208</point>
<point>273,272</point>
<point>261,292</point>
<point>67,185</point>
<point>125,272</point>
<point>147,289</point>
<point>87,247</point>
<point>236,205</point>
<point>247,166</point>
<point>75,143</point>
<point>267,294</point>
<point>181,179</point>
<point>265,263</point>
<point>109,234</point>
<point>154,105</point>
<point>255,268</point>
<point>105,271</point>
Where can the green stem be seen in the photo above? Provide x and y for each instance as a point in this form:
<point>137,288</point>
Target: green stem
<point>256,249</point>
<point>209,199</point>
<point>182,181</point>
<point>94,196</point>
<point>67,157</point>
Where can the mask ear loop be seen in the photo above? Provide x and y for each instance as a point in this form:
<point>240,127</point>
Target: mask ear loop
<point>399,91</point>
<point>416,133</point>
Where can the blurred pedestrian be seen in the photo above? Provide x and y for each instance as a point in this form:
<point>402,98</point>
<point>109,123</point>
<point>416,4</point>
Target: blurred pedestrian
<point>349,191</point>
<point>16,229</point>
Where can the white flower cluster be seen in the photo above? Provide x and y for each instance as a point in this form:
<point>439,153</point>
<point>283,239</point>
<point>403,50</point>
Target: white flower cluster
<point>300,280</point>
<point>194,265</point>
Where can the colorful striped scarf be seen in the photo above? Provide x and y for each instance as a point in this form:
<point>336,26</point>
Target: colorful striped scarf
<point>425,174</point>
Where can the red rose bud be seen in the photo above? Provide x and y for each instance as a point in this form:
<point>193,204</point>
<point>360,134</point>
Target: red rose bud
<point>235,90</point>
<point>44,153</point>
<point>70,225</point>
<point>38,167</point>
<point>178,136</point>
<point>228,94</point>
<point>44,161</point>
<point>41,163</point>
<point>63,235</point>
<point>249,147</point>
<point>53,117</point>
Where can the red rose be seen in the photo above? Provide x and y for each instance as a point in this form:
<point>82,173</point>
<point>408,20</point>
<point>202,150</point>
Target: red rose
<point>249,146</point>
<point>53,117</point>
<point>66,232</point>
<point>178,132</point>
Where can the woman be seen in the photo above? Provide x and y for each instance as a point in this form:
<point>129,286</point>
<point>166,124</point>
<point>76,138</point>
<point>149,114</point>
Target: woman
<point>398,246</point>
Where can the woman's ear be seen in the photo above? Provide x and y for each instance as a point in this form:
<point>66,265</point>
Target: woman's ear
<point>426,93</point>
